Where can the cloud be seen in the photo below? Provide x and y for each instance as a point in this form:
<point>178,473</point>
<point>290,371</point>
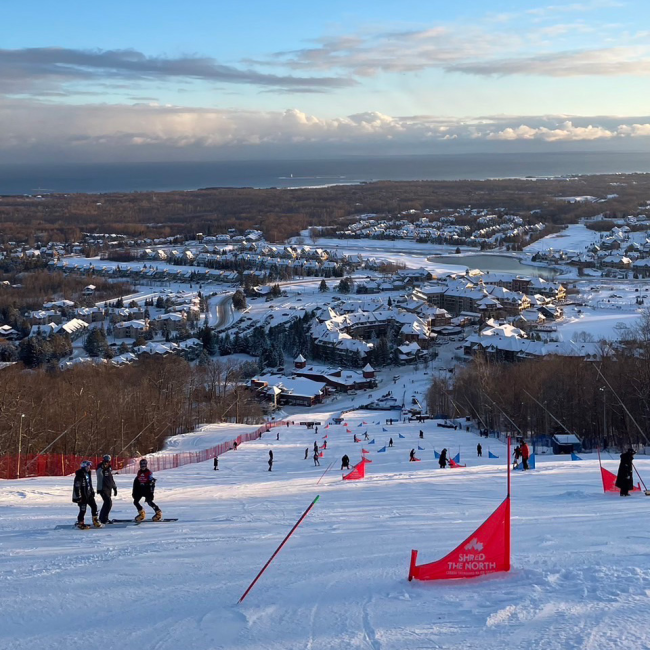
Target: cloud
<point>615,61</point>
<point>32,131</point>
<point>26,70</point>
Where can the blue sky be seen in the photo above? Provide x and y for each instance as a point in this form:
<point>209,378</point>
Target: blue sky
<point>206,79</point>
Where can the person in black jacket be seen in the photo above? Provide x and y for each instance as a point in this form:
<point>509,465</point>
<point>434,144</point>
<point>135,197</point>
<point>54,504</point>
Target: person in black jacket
<point>412,455</point>
<point>479,450</point>
<point>106,487</point>
<point>270,460</point>
<point>84,495</point>
<point>625,476</point>
<point>144,485</point>
<point>442,461</point>
<point>345,462</point>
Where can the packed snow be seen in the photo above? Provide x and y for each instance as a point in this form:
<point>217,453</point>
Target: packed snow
<point>580,576</point>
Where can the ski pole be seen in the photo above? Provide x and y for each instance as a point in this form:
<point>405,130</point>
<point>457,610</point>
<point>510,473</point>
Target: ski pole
<point>277,550</point>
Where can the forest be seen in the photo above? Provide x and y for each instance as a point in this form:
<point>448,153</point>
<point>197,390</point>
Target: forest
<point>283,213</point>
<point>606,403</point>
<point>129,411</point>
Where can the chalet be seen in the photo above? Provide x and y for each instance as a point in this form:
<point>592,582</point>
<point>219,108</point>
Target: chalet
<point>130,329</point>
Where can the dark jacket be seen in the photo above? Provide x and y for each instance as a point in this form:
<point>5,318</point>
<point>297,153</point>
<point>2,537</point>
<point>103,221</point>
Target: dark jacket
<point>143,484</point>
<point>82,489</point>
<point>625,476</point>
<point>442,461</point>
<point>105,480</point>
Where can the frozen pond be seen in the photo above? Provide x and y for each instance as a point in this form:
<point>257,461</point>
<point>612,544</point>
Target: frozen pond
<point>499,263</point>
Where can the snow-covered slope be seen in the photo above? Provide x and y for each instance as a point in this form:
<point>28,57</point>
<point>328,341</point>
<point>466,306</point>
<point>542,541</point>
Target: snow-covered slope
<point>580,578</point>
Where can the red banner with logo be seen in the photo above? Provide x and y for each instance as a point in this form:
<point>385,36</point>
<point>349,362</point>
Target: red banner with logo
<point>486,550</point>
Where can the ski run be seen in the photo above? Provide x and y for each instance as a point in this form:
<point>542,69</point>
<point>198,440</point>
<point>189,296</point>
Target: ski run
<point>580,576</point>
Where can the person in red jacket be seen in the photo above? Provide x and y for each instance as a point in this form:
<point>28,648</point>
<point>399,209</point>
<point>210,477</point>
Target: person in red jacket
<point>143,487</point>
<point>525,454</point>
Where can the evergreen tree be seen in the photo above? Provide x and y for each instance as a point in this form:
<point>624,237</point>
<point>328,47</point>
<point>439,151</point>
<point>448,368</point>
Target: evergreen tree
<point>323,286</point>
<point>96,344</point>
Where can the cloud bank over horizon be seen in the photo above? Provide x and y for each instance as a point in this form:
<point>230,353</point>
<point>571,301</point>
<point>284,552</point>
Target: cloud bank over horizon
<point>143,131</point>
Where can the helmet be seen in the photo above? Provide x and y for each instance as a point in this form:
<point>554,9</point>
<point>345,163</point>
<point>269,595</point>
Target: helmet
<point>143,463</point>
<point>86,464</point>
<point>107,458</point>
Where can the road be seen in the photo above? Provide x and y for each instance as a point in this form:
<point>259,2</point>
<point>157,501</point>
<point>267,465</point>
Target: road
<point>221,310</point>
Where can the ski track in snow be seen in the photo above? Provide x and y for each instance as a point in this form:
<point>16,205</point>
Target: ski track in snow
<point>580,577</point>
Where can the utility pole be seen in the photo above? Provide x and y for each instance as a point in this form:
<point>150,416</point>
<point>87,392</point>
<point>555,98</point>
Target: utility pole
<point>20,444</point>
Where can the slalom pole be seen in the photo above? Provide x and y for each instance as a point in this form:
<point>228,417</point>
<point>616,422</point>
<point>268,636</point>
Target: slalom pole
<point>277,550</point>
<point>325,472</point>
<point>508,466</point>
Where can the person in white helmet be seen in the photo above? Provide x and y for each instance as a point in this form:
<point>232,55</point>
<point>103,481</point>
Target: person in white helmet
<point>84,495</point>
<point>143,488</point>
<point>106,488</point>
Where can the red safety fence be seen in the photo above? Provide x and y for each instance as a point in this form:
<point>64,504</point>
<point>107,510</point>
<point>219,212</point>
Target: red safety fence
<point>65,464</point>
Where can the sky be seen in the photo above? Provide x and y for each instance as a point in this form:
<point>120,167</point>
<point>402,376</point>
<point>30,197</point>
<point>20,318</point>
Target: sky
<point>215,80</point>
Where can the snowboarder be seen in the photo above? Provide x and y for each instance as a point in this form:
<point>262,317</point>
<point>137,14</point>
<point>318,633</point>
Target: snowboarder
<point>316,432</point>
<point>516,456</point>
<point>315,447</point>
<point>277,436</point>
<point>234,445</point>
<point>355,438</point>
<point>525,454</point>
<point>390,442</point>
<point>144,485</point>
<point>412,455</point>
<point>479,450</point>
<point>625,476</point>
<point>316,460</point>
<point>84,495</point>
<point>421,433</point>
<point>442,461</point>
<point>306,453</point>
<point>270,460</point>
<point>366,436</point>
<point>216,463</point>
<point>324,444</point>
<point>106,488</point>
<point>345,462</point>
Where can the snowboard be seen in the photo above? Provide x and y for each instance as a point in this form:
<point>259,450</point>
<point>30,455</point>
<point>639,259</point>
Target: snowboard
<point>144,521</point>
<point>73,527</point>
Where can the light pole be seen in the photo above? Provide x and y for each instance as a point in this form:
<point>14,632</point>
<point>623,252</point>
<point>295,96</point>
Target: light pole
<point>20,444</point>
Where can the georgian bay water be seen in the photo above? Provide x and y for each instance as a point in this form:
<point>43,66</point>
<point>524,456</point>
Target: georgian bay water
<point>166,176</point>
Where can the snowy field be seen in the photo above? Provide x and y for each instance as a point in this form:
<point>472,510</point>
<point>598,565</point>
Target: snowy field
<point>580,577</point>
<point>575,238</point>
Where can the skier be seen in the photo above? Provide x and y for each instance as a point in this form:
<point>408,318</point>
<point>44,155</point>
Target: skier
<point>479,450</point>
<point>106,487</point>
<point>306,453</point>
<point>270,460</point>
<point>412,455</point>
<point>525,454</point>
<point>442,461</point>
<point>625,476</point>
<point>316,461</point>
<point>345,462</point>
<point>216,463</point>
<point>144,485</point>
<point>390,442</point>
<point>84,495</point>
